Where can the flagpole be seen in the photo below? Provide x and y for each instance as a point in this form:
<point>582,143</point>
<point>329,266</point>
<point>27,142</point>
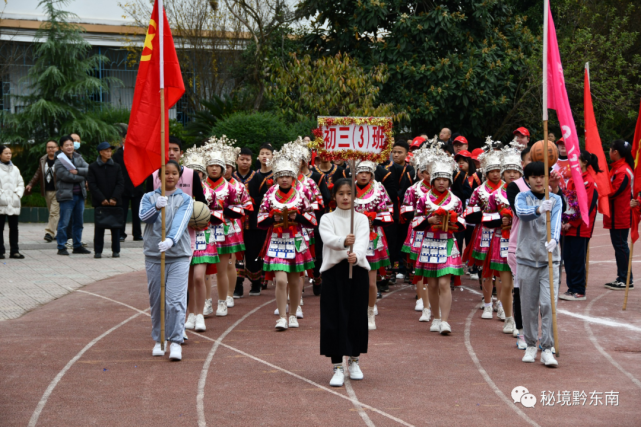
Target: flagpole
<point>587,258</point>
<point>547,172</point>
<point>627,280</point>
<point>161,25</point>
<point>351,220</point>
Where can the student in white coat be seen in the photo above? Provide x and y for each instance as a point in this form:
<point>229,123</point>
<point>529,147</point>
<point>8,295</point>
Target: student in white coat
<point>11,191</point>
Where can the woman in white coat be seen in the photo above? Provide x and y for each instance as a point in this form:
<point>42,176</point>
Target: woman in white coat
<point>11,190</point>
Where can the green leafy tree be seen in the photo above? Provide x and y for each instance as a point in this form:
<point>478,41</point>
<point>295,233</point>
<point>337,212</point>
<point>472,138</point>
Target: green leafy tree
<point>254,129</point>
<point>451,63</point>
<point>329,86</point>
<point>61,83</point>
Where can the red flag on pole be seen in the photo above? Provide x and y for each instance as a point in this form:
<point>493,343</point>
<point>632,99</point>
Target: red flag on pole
<point>636,154</point>
<point>594,146</point>
<point>142,150</point>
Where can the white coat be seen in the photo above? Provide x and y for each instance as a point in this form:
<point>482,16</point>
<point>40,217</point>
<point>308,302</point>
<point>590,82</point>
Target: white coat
<point>11,189</point>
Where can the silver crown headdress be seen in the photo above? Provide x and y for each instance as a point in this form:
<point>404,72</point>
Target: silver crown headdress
<point>216,151</point>
<point>194,158</point>
<point>422,158</point>
<point>231,154</point>
<point>511,160</point>
<point>365,166</point>
<point>442,165</point>
<point>286,161</point>
<point>490,159</point>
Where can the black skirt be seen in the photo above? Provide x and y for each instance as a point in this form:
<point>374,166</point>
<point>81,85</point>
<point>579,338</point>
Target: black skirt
<point>343,311</point>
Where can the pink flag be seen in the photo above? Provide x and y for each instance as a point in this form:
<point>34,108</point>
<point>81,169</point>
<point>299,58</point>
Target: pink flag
<point>557,99</point>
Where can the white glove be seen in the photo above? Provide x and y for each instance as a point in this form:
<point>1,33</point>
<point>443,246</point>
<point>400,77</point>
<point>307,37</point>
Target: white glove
<point>161,202</point>
<point>550,245</point>
<point>165,245</point>
<point>546,206</point>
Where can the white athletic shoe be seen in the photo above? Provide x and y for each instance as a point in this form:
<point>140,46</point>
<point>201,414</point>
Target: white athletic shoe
<point>299,312</point>
<point>229,301</point>
<point>200,323</point>
<point>515,332</point>
<point>508,327</point>
<point>276,313</point>
<point>400,276</point>
<point>487,313</point>
<point>293,323</point>
<point>339,377</point>
<point>371,321</point>
<point>209,308</point>
<point>157,351</point>
<point>375,310</point>
<point>419,305</point>
<point>426,316</point>
<point>530,355</point>
<point>474,276</point>
<point>547,358</point>
<point>520,342</point>
<point>175,351</point>
<point>222,309</point>
<point>301,301</point>
<point>355,372</point>
<point>500,313</point>
<point>191,321</point>
<point>436,325</point>
<point>185,337</point>
<point>281,324</point>
<point>495,304</point>
<point>444,328</point>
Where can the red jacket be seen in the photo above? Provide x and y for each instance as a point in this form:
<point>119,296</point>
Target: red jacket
<point>621,176</point>
<point>577,226</point>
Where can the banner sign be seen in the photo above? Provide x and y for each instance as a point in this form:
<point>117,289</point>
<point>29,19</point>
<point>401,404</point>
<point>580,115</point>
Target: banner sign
<point>359,138</point>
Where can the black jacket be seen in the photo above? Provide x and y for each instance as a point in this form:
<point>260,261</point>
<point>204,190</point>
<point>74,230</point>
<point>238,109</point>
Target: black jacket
<point>105,182</point>
<point>129,190</point>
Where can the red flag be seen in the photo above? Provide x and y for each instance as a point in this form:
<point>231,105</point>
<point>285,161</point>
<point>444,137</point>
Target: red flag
<point>594,146</point>
<point>142,146</point>
<point>636,154</point>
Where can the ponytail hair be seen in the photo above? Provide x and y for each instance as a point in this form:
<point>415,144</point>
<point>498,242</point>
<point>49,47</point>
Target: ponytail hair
<point>340,183</point>
<point>624,149</point>
<point>590,159</point>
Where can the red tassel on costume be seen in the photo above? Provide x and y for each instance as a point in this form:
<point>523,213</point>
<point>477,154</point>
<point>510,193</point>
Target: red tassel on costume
<point>467,253</point>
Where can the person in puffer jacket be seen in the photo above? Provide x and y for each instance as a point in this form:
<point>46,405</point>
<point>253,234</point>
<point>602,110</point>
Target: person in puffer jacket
<point>177,248</point>
<point>11,190</point>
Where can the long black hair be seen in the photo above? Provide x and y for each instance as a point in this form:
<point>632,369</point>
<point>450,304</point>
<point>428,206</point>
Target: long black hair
<point>590,159</point>
<point>175,163</point>
<point>471,168</point>
<point>340,183</point>
<point>624,149</point>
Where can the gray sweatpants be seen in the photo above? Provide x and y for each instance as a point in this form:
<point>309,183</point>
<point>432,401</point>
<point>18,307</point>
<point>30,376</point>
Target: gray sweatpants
<point>176,275</point>
<point>535,296</point>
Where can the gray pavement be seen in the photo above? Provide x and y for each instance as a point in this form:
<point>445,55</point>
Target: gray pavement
<point>44,276</point>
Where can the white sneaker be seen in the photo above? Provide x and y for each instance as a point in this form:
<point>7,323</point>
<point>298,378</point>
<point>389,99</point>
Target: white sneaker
<point>301,302</point>
<point>509,326</point>
<point>474,276</point>
<point>281,324</point>
<point>426,316</point>
<point>500,313</point>
<point>229,301</point>
<point>339,377</point>
<point>175,351</point>
<point>400,276</point>
<point>69,243</point>
<point>371,321</point>
<point>157,351</point>
<point>222,309</point>
<point>444,328</point>
<point>530,355</point>
<point>299,312</point>
<point>515,332</point>
<point>185,337</point>
<point>419,305</point>
<point>436,325</point>
<point>293,323</point>
<point>191,321</point>
<point>209,309</point>
<point>547,358</point>
<point>276,313</point>
<point>520,342</point>
<point>495,304</point>
<point>200,323</point>
<point>375,310</point>
<point>487,313</point>
<point>355,372</point>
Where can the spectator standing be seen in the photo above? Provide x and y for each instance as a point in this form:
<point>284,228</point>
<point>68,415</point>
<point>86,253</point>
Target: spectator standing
<point>71,171</point>
<point>11,190</point>
<point>46,177</point>
<point>106,184</point>
<point>131,195</point>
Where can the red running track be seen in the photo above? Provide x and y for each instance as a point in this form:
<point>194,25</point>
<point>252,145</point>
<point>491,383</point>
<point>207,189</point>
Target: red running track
<point>85,359</point>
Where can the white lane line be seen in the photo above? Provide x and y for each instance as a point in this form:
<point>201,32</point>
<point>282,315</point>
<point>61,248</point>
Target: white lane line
<point>472,290</point>
<point>350,392</point>
<point>200,397</point>
<point>600,320</point>
<point>486,377</point>
<point>588,329</point>
<point>45,397</point>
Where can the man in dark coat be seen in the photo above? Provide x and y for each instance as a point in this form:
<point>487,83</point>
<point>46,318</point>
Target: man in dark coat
<point>106,184</point>
<point>131,195</point>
